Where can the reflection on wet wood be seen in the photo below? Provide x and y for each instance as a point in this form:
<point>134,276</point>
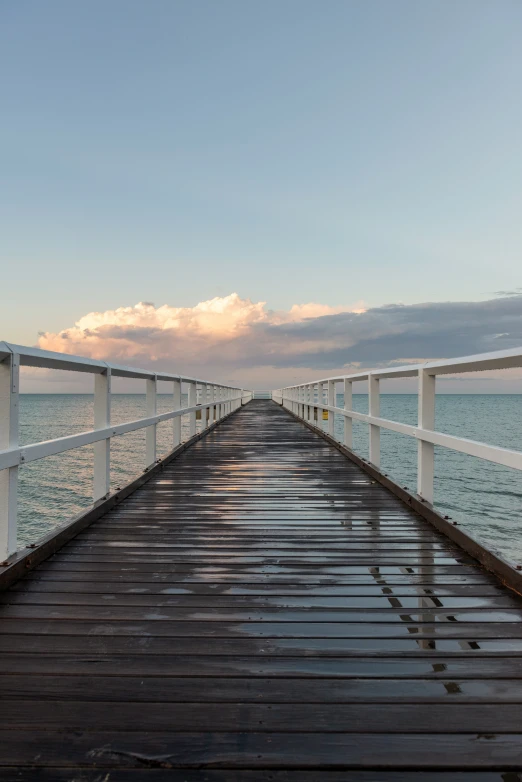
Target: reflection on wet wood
<point>261,610</point>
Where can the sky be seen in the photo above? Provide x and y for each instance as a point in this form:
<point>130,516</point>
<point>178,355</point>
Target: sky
<point>296,187</point>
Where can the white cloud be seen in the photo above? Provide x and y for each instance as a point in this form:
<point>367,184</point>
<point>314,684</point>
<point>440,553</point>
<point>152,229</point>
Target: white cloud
<point>154,333</point>
<point>241,341</point>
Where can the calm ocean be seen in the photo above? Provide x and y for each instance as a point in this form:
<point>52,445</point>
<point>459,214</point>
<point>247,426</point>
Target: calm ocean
<point>486,498</point>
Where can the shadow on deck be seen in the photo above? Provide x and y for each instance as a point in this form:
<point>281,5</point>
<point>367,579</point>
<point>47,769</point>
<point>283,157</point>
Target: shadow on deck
<point>261,610</point>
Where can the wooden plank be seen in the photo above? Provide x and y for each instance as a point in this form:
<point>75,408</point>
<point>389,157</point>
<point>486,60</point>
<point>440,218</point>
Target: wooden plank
<point>264,629</point>
<point>40,586</point>
<point>104,750</point>
<point>286,579</point>
<point>28,715</point>
<point>340,559</point>
<point>287,646</point>
<point>54,774</point>
<point>186,689</point>
<point>115,612</point>
<point>218,601</point>
<point>135,544</point>
<point>462,666</point>
<point>369,572</point>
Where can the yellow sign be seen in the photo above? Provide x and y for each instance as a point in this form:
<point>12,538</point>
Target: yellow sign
<point>325,415</point>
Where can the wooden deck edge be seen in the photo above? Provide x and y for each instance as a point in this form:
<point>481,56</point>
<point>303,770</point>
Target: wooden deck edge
<point>27,559</point>
<point>492,562</point>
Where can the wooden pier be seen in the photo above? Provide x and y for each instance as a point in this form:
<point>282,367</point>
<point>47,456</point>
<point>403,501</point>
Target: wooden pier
<point>261,609</point>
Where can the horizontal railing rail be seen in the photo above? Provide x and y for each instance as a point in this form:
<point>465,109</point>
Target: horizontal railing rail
<point>307,400</point>
<point>262,395</point>
<point>217,398</point>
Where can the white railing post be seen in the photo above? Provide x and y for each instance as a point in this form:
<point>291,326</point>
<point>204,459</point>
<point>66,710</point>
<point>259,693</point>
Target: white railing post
<point>176,405</point>
<point>212,390</point>
<point>150,432</point>
<point>102,449</point>
<point>331,401</point>
<point>9,419</point>
<point>374,410</point>
<point>192,401</point>
<point>204,413</point>
<point>310,403</point>
<point>320,402</point>
<point>348,423</point>
<point>425,451</point>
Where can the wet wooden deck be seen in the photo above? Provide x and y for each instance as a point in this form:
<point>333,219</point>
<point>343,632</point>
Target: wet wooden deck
<point>261,610</point>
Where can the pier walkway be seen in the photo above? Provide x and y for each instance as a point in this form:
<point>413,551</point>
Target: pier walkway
<point>261,609</point>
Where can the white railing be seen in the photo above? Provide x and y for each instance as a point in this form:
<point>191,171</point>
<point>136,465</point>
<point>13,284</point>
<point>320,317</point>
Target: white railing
<point>219,399</point>
<point>306,398</point>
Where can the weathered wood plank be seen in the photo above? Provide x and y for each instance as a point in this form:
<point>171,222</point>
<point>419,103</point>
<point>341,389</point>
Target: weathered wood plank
<point>104,750</point>
<point>54,774</point>
<point>263,717</point>
<point>186,689</point>
<point>116,612</point>
<point>217,601</point>
<point>417,645</point>
<point>264,629</point>
<point>415,667</point>
<point>38,586</point>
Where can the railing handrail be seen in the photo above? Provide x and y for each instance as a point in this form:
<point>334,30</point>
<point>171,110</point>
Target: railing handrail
<point>220,399</point>
<point>35,357</point>
<point>301,400</point>
<point>479,362</point>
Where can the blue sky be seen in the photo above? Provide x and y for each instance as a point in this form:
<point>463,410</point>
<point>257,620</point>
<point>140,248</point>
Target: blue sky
<point>291,151</point>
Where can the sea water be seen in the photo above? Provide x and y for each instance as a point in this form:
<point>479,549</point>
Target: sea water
<point>485,498</point>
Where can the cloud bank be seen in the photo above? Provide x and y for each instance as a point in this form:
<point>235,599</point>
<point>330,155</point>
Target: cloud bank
<point>235,338</point>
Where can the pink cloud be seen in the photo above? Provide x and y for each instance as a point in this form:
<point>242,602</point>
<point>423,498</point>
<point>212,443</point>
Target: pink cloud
<point>148,333</point>
<point>234,339</point>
